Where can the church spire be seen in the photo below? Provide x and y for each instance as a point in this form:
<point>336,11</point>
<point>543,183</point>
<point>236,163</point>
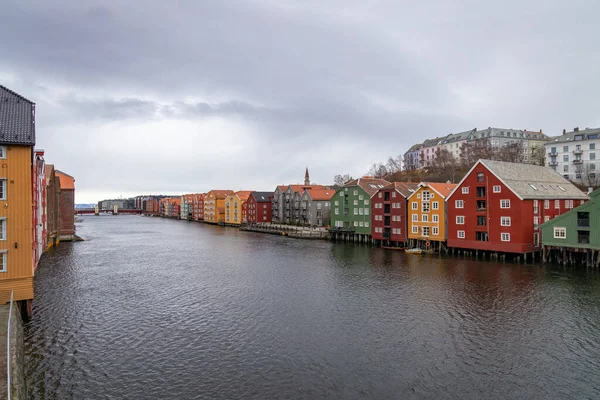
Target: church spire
<point>306,177</point>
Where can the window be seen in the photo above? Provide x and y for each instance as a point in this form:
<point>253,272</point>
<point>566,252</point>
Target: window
<point>415,229</point>
<point>379,194</point>
<point>366,202</point>
<point>553,150</point>
<point>460,234</point>
<point>568,204</point>
<point>355,202</point>
<point>465,190</point>
<point>566,158</point>
<point>3,260</point>
<point>435,218</point>
<point>2,189</point>
<point>342,193</point>
<point>592,146</point>
<point>360,211</point>
<point>565,149</point>
<point>435,205</point>
<point>361,197</point>
<point>504,221</point>
<point>355,223</point>
<point>2,228</point>
<point>355,211</point>
<point>460,220</point>
<point>565,168</point>
<point>366,211</point>
<point>546,204</point>
<point>480,177</point>
<point>459,204</point>
<point>415,205</point>
<point>536,221</point>
<point>426,207</point>
<point>425,231</point>
<point>546,218</point>
<point>592,156</point>
<point>3,152</point>
<point>556,203</point>
<point>504,203</point>
<point>415,217</point>
<point>361,224</point>
<point>355,192</point>
<point>560,232</point>
<point>505,237</point>
<point>426,195</point>
<point>435,230</point>
<point>337,203</point>
<point>583,237</point>
<point>497,189</point>
<point>425,218</point>
<point>393,194</point>
<point>583,219</point>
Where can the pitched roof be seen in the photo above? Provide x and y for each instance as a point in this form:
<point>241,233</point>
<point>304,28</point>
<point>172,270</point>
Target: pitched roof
<point>443,189</point>
<point>404,188</point>
<point>302,188</point>
<point>369,184</point>
<point>457,137</point>
<point>262,197</point>
<point>220,194</point>
<point>586,134</point>
<point>48,169</point>
<point>528,181</point>
<point>17,118</point>
<point>320,194</point>
<point>66,180</point>
<point>243,194</point>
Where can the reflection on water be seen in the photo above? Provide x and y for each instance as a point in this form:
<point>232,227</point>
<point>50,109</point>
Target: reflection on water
<point>153,308</point>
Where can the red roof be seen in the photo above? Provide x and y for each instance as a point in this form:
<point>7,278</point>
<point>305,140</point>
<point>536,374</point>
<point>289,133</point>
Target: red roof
<point>320,194</point>
<point>66,181</point>
<point>443,189</point>
<point>404,188</point>
<point>368,184</point>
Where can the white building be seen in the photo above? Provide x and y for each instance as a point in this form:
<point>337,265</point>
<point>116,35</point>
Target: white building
<point>573,154</point>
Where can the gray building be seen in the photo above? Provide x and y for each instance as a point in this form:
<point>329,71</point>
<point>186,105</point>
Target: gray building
<point>574,155</point>
<point>109,205</point>
<point>314,207</point>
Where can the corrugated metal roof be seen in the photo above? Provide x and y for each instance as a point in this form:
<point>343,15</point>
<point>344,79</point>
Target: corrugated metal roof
<point>17,118</point>
<point>368,184</point>
<point>404,188</point>
<point>262,197</point>
<point>533,181</point>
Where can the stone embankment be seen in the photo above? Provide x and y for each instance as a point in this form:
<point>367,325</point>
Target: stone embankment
<point>17,354</point>
<point>299,232</point>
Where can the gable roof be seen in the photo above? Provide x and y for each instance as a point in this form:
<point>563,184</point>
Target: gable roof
<point>320,194</point>
<point>442,189</point>
<point>17,118</point>
<point>404,188</point>
<point>262,197</point>
<point>243,194</point>
<point>220,194</point>
<point>586,134</point>
<point>66,180</point>
<point>528,181</point>
<point>48,169</point>
<point>302,188</point>
<point>369,184</point>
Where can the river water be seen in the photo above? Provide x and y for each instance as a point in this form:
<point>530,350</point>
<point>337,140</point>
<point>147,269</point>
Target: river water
<point>149,308</point>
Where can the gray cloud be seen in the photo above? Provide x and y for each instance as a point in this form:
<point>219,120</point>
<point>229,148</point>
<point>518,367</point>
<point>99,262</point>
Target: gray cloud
<point>335,86</point>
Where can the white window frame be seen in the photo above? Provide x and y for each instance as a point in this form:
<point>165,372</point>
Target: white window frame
<point>2,228</point>
<point>465,190</point>
<point>393,194</point>
<point>556,203</point>
<point>4,254</point>
<point>560,232</point>
<point>366,211</point>
<point>435,230</point>
<point>428,229</point>
<point>502,205</point>
<point>415,229</point>
<point>435,205</point>
<point>497,189</point>
<point>459,204</point>
<point>2,152</point>
<point>460,234</point>
<point>366,224</point>
<point>546,204</point>
<point>435,218</point>
<point>505,237</point>
<point>460,220</point>
<point>3,188</point>
<point>505,221</point>
<point>424,218</point>
<point>337,211</point>
<point>415,205</point>
<point>415,217</point>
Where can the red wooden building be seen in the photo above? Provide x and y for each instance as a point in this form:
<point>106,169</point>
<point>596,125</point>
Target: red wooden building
<point>66,230</point>
<point>198,207</point>
<point>389,213</point>
<point>258,208</point>
<point>498,206</point>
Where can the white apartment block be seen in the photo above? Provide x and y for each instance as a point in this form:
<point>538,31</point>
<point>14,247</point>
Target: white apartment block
<point>575,155</point>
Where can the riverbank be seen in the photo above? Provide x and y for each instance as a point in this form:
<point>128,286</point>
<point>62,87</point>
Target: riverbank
<point>16,359</point>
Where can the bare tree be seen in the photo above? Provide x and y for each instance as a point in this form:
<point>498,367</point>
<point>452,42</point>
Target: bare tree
<point>340,180</point>
<point>510,152</point>
<point>538,155</point>
<point>444,166</point>
<point>394,164</point>
<point>470,153</point>
<point>378,170</point>
<point>588,175</point>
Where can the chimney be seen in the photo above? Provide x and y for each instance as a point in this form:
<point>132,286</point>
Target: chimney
<point>576,129</point>
<point>564,131</point>
<point>590,190</point>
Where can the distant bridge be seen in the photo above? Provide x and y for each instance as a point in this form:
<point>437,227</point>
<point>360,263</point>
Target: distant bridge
<point>81,211</point>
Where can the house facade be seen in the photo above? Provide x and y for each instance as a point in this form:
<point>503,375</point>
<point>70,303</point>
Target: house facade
<point>17,139</point>
<point>389,214</point>
<point>187,204</point>
<point>351,206</point>
<point>40,223</point>
<point>52,205</point>
<point>214,206</point>
<point>198,207</point>
<point>66,230</point>
<point>412,158</point>
<point>427,214</point>
<point>578,228</point>
<point>575,156</point>
<point>233,207</point>
<point>315,207</point>
<point>498,206</point>
<point>258,208</point>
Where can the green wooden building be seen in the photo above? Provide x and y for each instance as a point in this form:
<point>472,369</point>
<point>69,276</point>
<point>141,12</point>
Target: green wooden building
<point>350,208</point>
<point>574,237</point>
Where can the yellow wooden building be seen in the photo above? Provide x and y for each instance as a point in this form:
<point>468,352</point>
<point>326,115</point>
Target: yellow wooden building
<point>233,206</point>
<point>17,139</point>
<point>427,223</point>
<point>214,206</point>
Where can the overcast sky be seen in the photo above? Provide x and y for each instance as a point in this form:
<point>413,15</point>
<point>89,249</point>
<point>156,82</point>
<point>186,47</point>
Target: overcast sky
<point>138,97</point>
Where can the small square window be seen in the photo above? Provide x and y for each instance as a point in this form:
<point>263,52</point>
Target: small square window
<point>497,189</point>
<point>465,190</point>
<point>505,237</point>
<point>460,220</point>
<point>415,229</point>
<point>460,234</point>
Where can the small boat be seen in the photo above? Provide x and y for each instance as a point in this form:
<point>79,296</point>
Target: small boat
<point>393,248</point>
<point>416,250</point>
